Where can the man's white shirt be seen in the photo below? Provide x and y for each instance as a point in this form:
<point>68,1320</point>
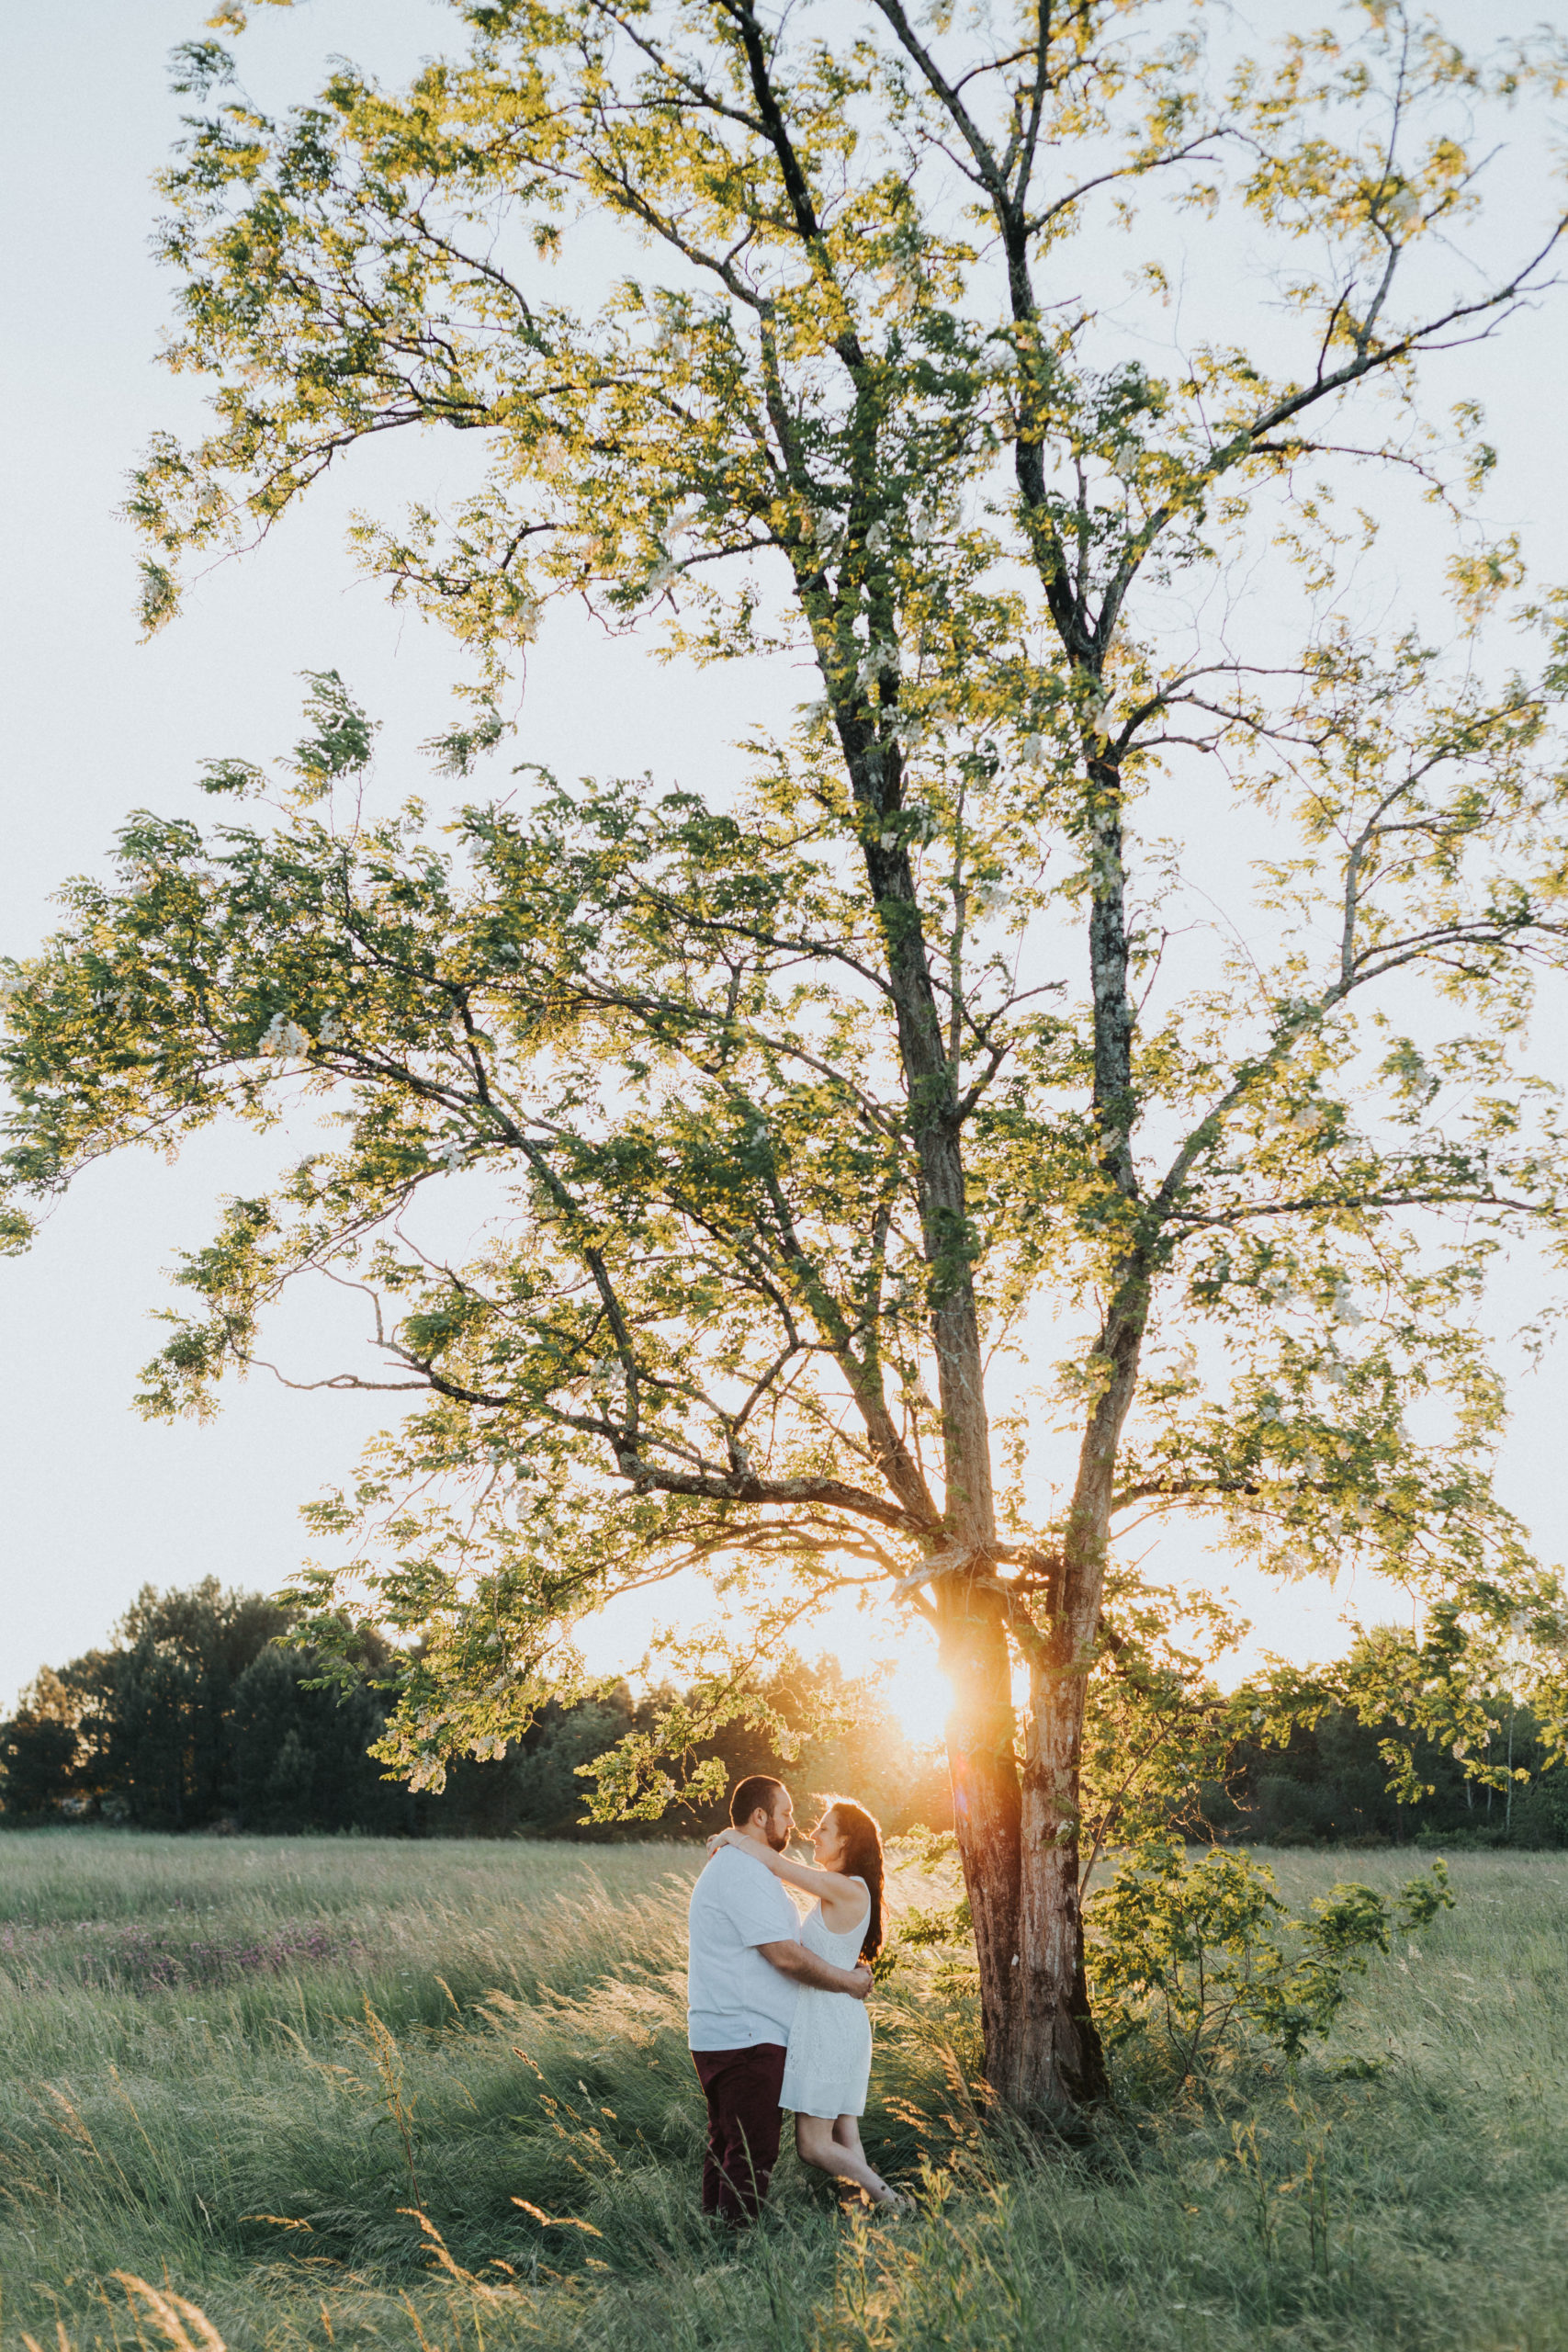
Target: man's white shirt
<point>734,1997</point>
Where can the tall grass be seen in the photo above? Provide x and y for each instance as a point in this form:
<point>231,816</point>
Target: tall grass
<point>437,2095</point>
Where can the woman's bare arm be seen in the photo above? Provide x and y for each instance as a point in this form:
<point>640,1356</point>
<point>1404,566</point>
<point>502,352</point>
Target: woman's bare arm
<point>835,1892</point>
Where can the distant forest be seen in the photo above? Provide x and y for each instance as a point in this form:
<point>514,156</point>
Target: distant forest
<point>1330,1787</point>
<point>199,1716</point>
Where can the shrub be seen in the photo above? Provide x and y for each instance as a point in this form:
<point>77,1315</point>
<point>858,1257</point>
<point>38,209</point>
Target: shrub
<point>1201,1956</point>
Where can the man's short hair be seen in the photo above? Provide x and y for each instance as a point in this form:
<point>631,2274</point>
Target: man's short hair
<point>760,1794</point>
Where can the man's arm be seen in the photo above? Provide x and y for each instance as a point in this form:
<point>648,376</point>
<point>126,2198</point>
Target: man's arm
<point>793,1960</point>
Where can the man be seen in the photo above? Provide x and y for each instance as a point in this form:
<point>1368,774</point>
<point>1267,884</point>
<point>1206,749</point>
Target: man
<point>747,1966</point>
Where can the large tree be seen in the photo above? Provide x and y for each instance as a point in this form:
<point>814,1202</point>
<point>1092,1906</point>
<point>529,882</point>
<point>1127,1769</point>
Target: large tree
<point>1004,365</point>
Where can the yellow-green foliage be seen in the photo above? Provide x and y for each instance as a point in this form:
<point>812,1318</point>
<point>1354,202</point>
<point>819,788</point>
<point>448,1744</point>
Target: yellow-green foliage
<point>225,2065</point>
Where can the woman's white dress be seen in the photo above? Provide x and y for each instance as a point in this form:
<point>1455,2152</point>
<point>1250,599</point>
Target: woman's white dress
<point>827,2069</point>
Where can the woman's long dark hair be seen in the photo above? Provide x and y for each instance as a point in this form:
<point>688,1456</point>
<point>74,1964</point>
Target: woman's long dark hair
<point>862,1858</point>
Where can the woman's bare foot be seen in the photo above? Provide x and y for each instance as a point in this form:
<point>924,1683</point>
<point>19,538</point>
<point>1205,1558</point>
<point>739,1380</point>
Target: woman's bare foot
<point>835,2148</point>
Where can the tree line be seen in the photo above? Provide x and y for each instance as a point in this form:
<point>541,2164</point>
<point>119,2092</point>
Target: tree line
<point>1329,1785</point>
<point>199,1713</point>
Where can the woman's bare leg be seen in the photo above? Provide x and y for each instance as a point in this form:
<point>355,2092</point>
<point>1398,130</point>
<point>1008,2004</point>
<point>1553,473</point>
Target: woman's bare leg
<point>835,2148</point>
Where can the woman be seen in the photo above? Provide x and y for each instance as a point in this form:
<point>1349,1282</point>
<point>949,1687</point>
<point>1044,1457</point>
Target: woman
<point>828,2066</point>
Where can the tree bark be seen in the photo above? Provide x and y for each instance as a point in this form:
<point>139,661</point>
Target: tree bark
<point>987,1810</point>
<point>986,1802</point>
<point>1057,2059</point>
<point>1044,2058</point>
<point>1018,1841</point>
<point>932,1082</point>
<point>1057,2063</point>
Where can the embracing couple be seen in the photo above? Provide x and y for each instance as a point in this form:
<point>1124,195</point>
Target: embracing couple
<point>777,2006</point>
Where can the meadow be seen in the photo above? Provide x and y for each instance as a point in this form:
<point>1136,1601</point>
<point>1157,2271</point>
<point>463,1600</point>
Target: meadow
<point>303,2084</point>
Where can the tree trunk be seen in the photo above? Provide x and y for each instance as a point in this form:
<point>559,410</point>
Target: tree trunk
<point>1019,1846</point>
<point>1057,2061</point>
<point>1018,1843</point>
<point>986,1806</point>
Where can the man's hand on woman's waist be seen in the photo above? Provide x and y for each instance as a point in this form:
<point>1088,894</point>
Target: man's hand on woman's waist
<point>793,1960</point>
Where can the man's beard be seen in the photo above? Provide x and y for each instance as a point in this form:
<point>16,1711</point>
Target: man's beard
<point>777,1838</point>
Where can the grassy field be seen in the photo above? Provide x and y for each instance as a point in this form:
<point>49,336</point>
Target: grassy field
<point>241,2071</point>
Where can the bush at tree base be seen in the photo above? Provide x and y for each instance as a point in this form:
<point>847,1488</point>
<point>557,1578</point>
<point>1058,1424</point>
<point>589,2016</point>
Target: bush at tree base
<point>1198,1956</point>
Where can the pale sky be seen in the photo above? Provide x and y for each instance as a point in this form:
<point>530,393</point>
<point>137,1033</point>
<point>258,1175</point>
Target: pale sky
<point>97,1501</point>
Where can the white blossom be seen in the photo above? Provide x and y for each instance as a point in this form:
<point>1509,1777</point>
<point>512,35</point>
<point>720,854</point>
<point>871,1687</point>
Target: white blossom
<point>284,1037</point>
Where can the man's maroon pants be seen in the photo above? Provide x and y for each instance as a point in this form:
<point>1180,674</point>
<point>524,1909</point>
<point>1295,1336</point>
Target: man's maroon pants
<point>742,2088</point>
